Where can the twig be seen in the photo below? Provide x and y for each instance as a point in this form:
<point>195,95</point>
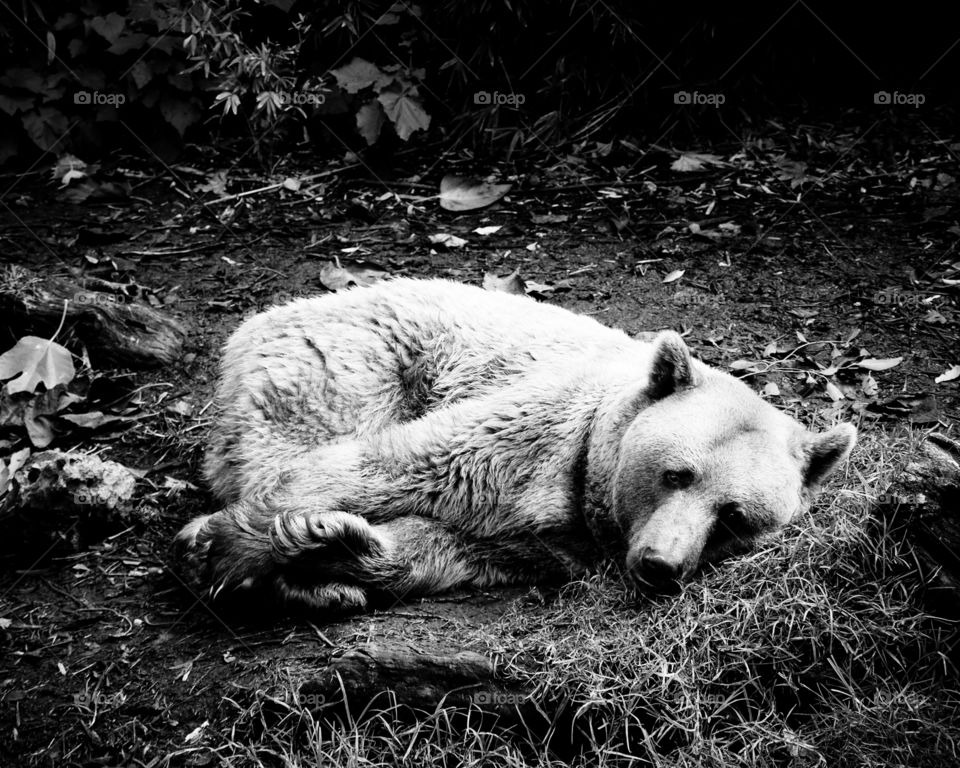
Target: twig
<point>278,185</point>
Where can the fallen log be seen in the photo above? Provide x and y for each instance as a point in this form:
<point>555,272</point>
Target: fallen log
<point>385,677</point>
<point>116,330</point>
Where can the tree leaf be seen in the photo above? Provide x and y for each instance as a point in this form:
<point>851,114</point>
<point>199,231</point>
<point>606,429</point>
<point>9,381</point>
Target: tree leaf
<point>404,112</point>
<point>462,193</point>
<point>180,113</point>
<point>108,27</point>
<point>360,74</point>
<point>880,364</point>
<point>45,126</point>
<point>36,360</point>
<point>370,119</point>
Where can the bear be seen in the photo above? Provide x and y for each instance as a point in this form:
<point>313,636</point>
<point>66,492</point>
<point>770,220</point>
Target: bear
<point>415,436</point>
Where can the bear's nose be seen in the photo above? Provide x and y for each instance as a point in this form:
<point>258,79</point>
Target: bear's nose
<point>656,570</point>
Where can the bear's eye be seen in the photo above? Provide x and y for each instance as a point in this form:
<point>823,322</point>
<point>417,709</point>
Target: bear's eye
<point>677,478</point>
<point>731,516</point>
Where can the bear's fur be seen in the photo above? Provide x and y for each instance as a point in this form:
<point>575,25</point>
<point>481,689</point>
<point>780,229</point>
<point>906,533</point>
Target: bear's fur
<point>418,435</point>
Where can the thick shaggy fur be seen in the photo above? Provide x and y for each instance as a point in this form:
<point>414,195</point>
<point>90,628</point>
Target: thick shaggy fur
<point>414,436</point>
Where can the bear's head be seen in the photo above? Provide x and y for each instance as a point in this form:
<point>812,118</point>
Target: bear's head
<point>706,467</point>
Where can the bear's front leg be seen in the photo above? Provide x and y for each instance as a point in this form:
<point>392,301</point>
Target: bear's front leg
<point>397,559</point>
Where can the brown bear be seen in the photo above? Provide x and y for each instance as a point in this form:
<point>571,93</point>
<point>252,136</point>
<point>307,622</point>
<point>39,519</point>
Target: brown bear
<point>419,435</point>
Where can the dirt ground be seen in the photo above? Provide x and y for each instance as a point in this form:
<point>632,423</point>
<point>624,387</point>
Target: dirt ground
<point>804,249</point>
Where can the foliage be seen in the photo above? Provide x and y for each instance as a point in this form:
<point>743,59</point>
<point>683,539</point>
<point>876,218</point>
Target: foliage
<point>101,74</point>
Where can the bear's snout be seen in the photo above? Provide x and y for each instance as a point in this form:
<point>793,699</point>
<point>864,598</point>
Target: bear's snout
<point>655,570</point>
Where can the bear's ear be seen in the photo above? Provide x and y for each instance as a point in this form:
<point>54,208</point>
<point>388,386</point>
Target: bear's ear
<point>827,451</point>
<point>671,368</point>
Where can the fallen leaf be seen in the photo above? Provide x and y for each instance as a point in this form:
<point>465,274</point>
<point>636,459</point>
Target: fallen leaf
<point>833,392</point>
<point>880,364</point>
<point>549,218</point>
<point>292,184</point>
<point>450,241</point>
<point>484,231</point>
<point>743,365</point>
<point>541,288</point>
<point>851,336</point>
<point>948,375</point>
<point>675,275</point>
<point>461,193</point>
<point>93,419</point>
<point>770,389</point>
<point>36,360</point>
<point>695,161</point>
<point>216,183</point>
<point>197,732</point>
<point>69,168</point>
<point>512,283</point>
<point>869,386</point>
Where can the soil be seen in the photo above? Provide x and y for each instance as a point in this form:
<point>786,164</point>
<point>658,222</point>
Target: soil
<point>861,239</point>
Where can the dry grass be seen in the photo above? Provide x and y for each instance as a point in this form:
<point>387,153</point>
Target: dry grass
<point>810,652</point>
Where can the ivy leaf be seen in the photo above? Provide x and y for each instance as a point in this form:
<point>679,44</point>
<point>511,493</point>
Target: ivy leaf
<point>36,360</point>
<point>370,120</point>
<point>404,112</point>
<point>360,74</point>
<point>108,27</point>
<point>46,126</point>
<point>181,114</point>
